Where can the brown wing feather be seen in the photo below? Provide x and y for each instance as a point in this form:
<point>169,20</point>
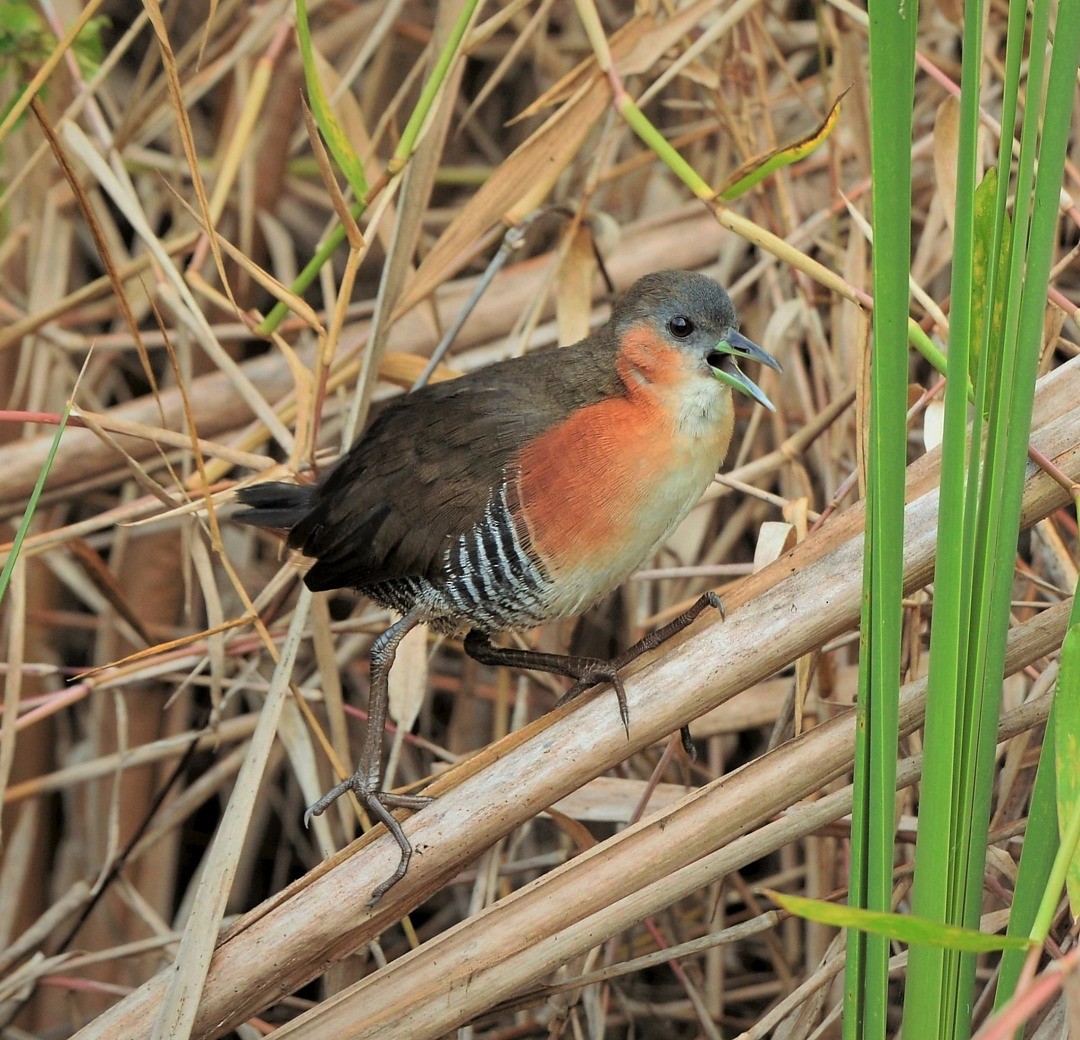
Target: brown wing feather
<point>422,473</point>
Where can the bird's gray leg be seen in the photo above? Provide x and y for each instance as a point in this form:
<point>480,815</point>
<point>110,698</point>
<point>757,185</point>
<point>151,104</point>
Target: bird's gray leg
<point>588,671</point>
<point>650,641</point>
<point>478,646</point>
<point>365,783</point>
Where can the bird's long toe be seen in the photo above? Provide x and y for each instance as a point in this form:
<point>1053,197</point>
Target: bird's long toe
<point>354,783</point>
<point>602,672</point>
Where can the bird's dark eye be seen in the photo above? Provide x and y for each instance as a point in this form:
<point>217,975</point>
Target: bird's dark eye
<point>680,326</point>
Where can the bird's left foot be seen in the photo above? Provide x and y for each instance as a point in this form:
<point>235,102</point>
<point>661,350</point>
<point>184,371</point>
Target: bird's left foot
<point>378,803</point>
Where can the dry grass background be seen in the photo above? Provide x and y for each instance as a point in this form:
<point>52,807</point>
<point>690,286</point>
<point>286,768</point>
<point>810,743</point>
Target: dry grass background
<point>115,781</point>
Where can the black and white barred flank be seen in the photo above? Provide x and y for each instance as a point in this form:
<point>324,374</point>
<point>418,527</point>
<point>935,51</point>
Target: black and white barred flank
<point>492,582</point>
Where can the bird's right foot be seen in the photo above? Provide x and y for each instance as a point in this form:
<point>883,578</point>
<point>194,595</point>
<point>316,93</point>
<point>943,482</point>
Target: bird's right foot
<point>595,672</point>
<point>378,803</point>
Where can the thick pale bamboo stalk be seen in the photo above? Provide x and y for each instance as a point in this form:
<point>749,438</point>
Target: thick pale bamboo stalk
<point>775,616</point>
<point>490,957</point>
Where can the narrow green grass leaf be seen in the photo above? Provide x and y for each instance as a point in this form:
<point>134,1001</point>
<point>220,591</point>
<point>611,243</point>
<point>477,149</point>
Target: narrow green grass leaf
<point>336,140</point>
<point>903,928</point>
<point>930,992</point>
<point>1036,862</point>
<point>892,84</point>
<point>757,169</point>
<point>1067,754</point>
<point>31,505</point>
<point>432,85</point>
<point>405,147</point>
<point>662,148</point>
<point>992,249</point>
<point>973,591</point>
<point>1043,859</point>
<point>926,346</point>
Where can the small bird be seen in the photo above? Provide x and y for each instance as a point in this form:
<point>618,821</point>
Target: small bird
<point>524,492</point>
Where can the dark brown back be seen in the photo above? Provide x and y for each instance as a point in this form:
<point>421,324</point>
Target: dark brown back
<point>422,473</point>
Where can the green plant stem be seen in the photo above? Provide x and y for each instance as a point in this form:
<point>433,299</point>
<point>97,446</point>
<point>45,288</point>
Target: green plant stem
<point>406,145</point>
<point>892,85</point>
<point>31,505</point>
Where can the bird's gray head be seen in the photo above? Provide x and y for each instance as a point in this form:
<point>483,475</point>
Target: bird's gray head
<point>693,313</point>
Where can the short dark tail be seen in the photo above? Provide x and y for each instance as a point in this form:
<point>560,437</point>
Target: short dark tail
<point>275,505</point>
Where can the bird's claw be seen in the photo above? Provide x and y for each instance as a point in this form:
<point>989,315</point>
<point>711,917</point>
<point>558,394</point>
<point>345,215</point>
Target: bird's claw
<point>714,601</point>
<point>354,783</point>
<point>379,804</point>
<point>601,672</point>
